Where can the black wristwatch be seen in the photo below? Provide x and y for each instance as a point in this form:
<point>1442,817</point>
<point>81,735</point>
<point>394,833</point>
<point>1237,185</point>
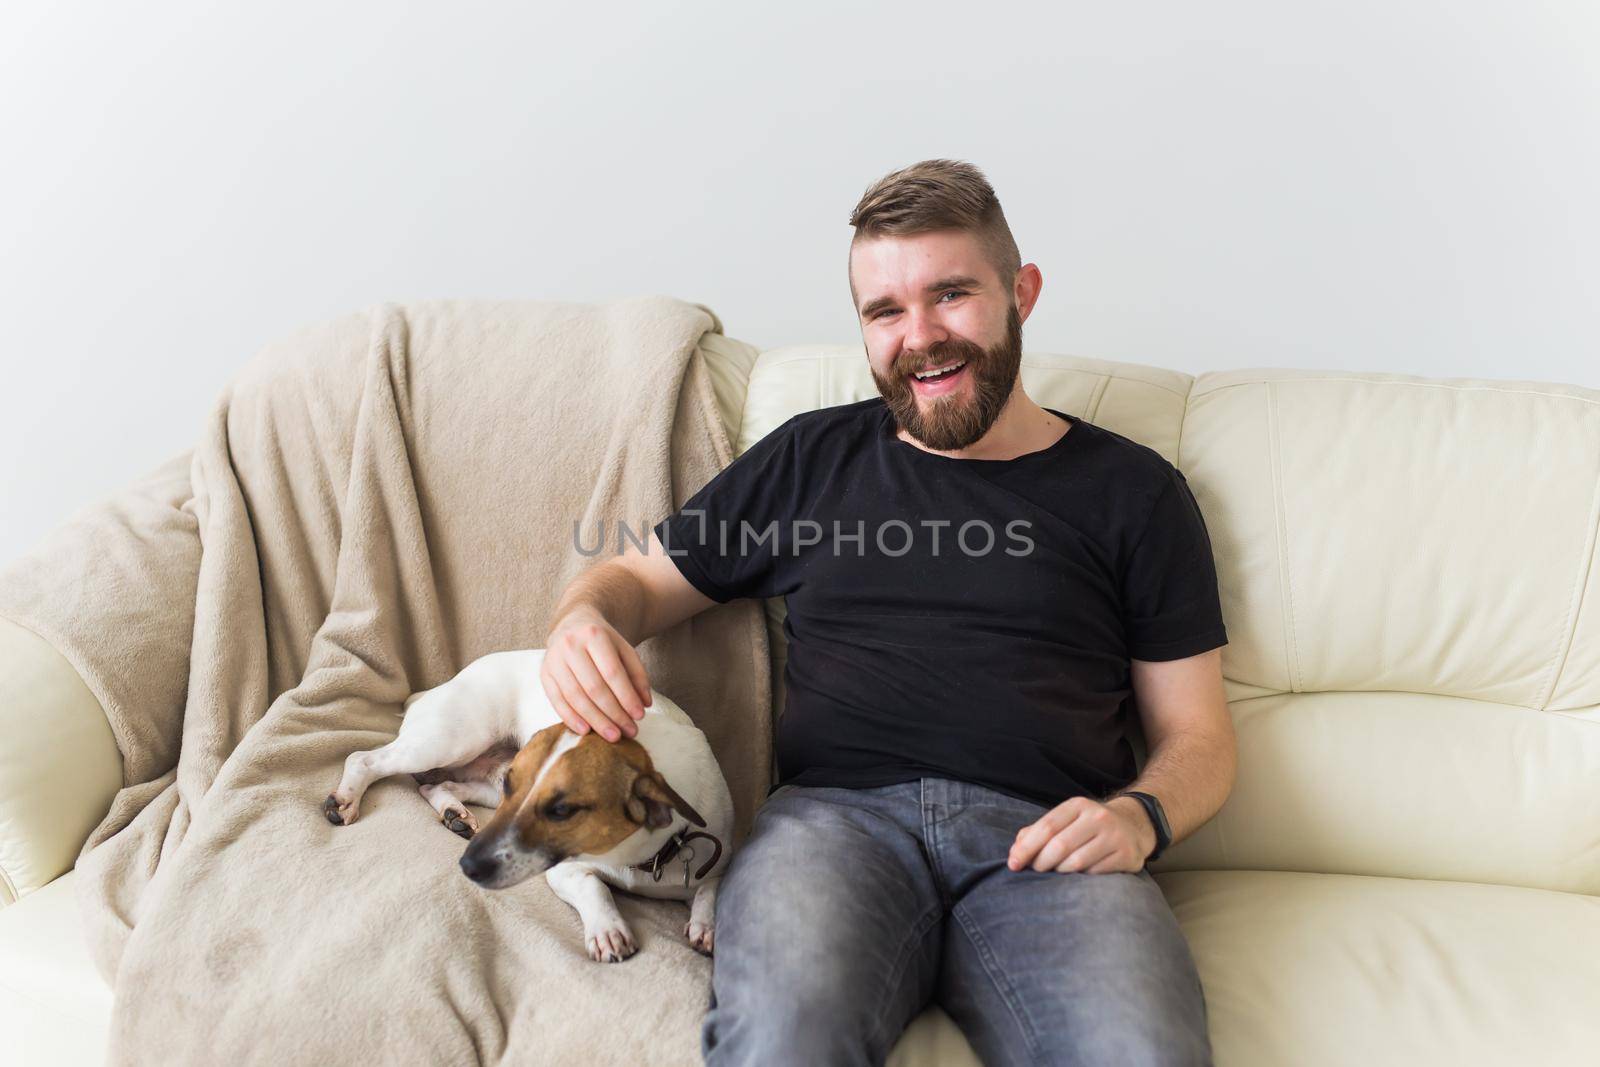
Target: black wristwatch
<point>1158,818</point>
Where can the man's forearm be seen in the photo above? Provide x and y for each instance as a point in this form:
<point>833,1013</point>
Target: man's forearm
<point>1192,775</point>
<point>609,590</point>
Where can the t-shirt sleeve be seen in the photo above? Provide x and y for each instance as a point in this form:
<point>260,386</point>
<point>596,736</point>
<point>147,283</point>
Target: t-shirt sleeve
<point>707,537</point>
<point>1171,607</point>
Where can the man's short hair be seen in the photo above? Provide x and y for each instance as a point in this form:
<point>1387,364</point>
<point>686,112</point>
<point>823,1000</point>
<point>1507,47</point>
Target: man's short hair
<point>938,194</point>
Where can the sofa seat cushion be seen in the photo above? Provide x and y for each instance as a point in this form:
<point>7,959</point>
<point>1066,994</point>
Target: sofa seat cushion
<point>1315,969</point>
<point>54,1007</point>
<point>1310,969</point>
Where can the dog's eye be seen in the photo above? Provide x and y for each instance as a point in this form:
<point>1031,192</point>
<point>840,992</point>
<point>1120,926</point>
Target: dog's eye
<point>505,785</point>
<point>562,811</point>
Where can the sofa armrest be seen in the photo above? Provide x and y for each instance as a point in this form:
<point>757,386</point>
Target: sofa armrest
<point>59,763</point>
<point>96,623</point>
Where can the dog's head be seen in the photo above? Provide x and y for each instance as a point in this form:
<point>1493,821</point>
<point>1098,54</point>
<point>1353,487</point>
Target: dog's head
<point>570,795</point>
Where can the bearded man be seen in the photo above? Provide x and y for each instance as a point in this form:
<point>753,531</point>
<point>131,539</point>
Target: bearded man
<point>983,591</point>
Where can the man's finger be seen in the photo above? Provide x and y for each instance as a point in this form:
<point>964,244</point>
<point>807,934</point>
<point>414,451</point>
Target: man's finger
<point>1087,855</point>
<point>1081,832</point>
<point>580,702</point>
<point>636,671</point>
<point>1031,838</point>
<point>622,685</point>
<point>558,700</point>
<point>600,693</point>
<point>1112,863</point>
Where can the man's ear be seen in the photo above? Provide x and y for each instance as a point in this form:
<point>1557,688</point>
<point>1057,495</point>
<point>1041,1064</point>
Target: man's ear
<point>652,800</point>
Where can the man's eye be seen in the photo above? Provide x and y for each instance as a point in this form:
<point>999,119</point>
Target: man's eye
<point>893,311</point>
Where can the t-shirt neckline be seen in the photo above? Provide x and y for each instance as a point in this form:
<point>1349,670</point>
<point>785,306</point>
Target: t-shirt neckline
<point>891,429</point>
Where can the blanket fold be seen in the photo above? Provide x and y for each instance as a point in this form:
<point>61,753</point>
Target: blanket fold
<point>375,502</point>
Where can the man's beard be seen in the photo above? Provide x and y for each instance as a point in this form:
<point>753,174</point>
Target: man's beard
<point>953,421</point>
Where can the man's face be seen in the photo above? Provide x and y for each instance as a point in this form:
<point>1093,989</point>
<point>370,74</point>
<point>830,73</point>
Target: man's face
<point>932,300</point>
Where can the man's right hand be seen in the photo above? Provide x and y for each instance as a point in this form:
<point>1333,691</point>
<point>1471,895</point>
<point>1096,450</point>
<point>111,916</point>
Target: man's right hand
<point>593,677</point>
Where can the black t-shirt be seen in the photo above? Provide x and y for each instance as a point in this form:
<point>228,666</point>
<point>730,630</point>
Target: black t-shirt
<point>960,618</point>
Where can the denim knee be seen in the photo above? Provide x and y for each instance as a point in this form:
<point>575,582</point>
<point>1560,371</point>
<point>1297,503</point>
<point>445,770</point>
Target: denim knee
<point>827,937</point>
<point>793,1022</point>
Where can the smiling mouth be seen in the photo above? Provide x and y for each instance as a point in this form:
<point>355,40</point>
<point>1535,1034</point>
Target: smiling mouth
<point>939,373</point>
<point>939,381</point>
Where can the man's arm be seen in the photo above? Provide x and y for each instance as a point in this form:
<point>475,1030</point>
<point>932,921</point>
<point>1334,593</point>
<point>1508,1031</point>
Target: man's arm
<point>638,593</point>
<point>1192,757</point>
<point>591,673</point>
<point>1192,750</point>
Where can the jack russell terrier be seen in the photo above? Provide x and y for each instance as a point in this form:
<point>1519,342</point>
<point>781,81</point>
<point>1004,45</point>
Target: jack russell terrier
<point>583,811</point>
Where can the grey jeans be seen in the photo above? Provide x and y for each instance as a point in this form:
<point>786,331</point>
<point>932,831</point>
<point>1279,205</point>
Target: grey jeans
<point>847,910</point>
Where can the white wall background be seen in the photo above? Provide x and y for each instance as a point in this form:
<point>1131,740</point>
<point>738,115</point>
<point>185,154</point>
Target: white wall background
<point>1394,185</point>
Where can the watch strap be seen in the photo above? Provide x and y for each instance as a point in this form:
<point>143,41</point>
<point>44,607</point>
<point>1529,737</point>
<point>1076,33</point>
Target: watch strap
<point>1152,809</point>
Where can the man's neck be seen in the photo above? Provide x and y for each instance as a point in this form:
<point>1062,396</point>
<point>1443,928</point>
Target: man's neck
<point>1022,427</point>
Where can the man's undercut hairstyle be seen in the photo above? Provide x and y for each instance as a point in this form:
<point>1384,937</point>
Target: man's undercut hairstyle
<point>938,194</point>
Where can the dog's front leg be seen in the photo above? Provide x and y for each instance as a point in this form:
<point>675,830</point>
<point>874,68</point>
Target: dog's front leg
<point>605,934</point>
<point>450,800</point>
<point>702,915</point>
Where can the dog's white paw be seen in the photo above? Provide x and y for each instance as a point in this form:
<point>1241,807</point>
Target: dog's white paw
<point>461,822</point>
<point>699,935</point>
<point>452,812</point>
<point>613,944</point>
<point>339,812</point>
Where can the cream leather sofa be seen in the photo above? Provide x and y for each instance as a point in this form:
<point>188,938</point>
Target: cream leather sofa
<point>1407,869</point>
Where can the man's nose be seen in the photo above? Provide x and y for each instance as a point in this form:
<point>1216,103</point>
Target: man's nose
<point>923,331</point>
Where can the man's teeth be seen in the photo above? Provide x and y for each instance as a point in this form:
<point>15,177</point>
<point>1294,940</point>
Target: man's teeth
<point>929,375</point>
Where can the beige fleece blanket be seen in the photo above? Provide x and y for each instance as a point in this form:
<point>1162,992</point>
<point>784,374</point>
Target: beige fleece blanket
<point>373,503</point>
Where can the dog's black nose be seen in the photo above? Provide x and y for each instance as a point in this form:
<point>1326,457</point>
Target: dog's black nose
<point>478,867</point>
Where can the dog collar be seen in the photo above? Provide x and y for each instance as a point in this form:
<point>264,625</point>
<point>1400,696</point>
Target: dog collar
<point>670,849</point>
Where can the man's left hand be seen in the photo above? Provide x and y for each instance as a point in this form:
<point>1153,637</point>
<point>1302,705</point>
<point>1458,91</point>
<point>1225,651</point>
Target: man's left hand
<point>1085,835</point>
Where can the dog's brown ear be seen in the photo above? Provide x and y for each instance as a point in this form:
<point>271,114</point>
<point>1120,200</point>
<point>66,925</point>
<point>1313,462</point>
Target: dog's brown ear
<point>651,802</point>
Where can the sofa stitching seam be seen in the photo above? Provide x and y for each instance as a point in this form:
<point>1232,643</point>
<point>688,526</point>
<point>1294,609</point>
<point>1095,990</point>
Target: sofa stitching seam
<point>1358,380</point>
<point>1569,625</point>
<point>1290,648</point>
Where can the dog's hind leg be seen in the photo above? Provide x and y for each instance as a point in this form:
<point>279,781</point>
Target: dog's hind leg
<point>430,737</point>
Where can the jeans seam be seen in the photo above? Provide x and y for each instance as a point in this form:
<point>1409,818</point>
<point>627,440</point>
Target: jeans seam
<point>1008,995</point>
<point>913,944</point>
<point>930,842</point>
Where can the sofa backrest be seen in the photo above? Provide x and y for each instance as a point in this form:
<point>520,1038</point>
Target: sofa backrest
<point>1409,578</point>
